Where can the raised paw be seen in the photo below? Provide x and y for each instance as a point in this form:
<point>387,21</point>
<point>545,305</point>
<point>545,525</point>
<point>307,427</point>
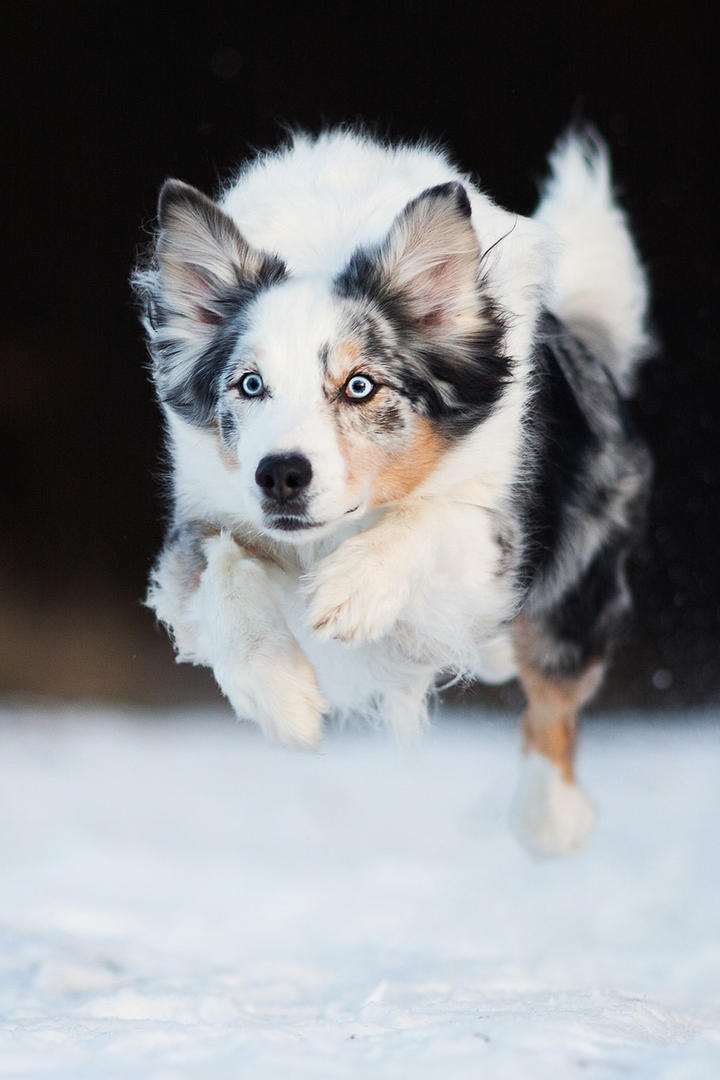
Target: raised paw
<point>294,713</point>
<point>279,691</point>
<point>353,597</point>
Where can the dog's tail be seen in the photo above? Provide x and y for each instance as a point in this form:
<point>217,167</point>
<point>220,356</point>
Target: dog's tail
<point>599,288</point>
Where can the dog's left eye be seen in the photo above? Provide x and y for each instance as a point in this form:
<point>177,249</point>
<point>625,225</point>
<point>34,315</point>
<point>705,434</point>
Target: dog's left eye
<point>359,387</point>
<point>251,384</point>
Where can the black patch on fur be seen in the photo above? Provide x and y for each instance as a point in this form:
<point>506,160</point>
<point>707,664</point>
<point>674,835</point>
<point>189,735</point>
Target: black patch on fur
<point>565,443</point>
<point>187,538</point>
<point>361,278</point>
<point>477,383</point>
<point>453,189</point>
<point>505,544</point>
<point>587,489</point>
<point>584,622</point>
<point>228,428</point>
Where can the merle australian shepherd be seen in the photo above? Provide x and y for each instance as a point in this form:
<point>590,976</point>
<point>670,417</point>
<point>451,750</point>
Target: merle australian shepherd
<point>397,425</point>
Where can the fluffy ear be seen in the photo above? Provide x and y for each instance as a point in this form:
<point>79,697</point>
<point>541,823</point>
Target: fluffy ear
<point>203,258</point>
<point>201,273</point>
<point>430,259</point>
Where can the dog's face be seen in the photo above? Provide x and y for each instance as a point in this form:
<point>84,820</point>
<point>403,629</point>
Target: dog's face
<point>326,397</point>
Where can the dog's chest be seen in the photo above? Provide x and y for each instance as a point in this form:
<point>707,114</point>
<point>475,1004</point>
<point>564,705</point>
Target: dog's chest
<point>410,656</point>
<point>349,676</point>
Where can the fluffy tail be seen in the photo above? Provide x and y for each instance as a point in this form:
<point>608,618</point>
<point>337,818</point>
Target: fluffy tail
<point>599,285</point>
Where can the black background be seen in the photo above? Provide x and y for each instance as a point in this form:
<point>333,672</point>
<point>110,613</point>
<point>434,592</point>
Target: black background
<point>106,100</point>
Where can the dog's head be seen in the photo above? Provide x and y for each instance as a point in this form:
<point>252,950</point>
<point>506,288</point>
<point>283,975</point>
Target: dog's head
<point>326,396</point>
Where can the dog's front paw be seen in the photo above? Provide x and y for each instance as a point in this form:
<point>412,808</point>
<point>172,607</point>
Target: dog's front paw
<point>353,596</point>
<point>293,712</point>
<point>280,692</point>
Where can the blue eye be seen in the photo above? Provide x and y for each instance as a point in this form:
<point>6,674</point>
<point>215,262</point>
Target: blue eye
<point>359,387</point>
<point>251,384</point>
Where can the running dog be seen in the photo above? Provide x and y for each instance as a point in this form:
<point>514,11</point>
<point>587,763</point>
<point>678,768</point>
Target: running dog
<point>400,446</point>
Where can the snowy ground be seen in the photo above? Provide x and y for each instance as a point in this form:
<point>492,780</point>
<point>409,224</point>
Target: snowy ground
<point>180,900</point>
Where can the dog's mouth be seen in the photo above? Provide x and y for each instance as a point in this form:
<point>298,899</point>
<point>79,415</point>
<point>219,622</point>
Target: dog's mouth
<point>290,523</point>
<point>294,523</point>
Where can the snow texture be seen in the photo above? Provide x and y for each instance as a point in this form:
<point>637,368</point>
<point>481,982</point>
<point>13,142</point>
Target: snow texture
<point>181,900</point>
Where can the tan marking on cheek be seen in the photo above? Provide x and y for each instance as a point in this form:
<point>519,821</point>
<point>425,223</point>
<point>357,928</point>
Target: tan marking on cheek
<point>550,722</point>
<point>362,458</point>
<point>405,469</point>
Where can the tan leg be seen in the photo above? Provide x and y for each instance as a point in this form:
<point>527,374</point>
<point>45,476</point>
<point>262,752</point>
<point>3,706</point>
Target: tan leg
<point>550,721</point>
<point>551,813</point>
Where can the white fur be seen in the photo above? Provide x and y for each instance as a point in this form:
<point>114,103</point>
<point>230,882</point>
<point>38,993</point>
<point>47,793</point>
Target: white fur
<point>550,815</point>
<point>242,635</point>
<point>598,282</point>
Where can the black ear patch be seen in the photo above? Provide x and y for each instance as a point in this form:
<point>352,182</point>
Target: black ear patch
<point>455,190</point>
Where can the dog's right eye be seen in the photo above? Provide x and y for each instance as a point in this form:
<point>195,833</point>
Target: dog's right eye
<point>360,388</point>
<point>251,384</point>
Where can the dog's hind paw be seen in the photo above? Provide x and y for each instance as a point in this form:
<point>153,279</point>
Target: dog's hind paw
<point>550,815</point>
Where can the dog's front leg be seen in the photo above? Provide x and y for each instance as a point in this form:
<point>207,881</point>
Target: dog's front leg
<point>357,593</point>
<point>225,616</point>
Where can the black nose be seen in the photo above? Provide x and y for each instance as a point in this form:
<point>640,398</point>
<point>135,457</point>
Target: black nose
<point>283,476</point>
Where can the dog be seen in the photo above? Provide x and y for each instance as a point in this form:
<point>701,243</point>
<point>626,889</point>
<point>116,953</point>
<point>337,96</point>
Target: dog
<point>399,438</point>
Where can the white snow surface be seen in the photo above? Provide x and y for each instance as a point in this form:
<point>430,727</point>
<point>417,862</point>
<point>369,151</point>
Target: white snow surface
<point>179,899</point>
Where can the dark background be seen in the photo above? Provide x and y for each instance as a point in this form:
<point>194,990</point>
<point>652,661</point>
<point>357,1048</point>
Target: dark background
<point>106,100</point>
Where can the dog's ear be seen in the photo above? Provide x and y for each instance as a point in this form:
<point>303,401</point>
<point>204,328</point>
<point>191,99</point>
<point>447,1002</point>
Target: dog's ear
<point>429,260</point>
<point>431,257</point>
<point>205,263</point>
<point>200,275</point>
<point>447,279</point>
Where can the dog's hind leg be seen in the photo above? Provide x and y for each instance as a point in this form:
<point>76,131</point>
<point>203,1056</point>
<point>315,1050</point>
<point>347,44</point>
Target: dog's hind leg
<point>551,814</point>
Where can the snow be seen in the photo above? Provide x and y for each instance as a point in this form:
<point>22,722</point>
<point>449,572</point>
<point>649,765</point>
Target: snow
<point>181,900</point>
